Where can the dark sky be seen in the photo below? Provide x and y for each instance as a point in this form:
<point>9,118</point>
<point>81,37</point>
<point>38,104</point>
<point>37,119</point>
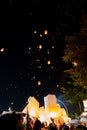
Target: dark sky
<point>31,46</point>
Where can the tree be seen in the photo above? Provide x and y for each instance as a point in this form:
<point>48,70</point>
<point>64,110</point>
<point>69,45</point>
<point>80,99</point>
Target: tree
<point>75,53</point>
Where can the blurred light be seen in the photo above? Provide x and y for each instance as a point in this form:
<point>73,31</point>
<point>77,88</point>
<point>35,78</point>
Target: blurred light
<point>52,47</point>
<point>39,83</point>
<point>11,103</point>
<point>57,85</point>
<point>37,60</point>
<point>2,49</point>
<point>29,48</point>
<point>40,47</point>
<point>48,52</point>
<point>35,32</point>
<point>41,35</point>
<point>75,63</point>
<point>53,114</point>
<point>45,32</point>
<point>48,62</point>
<point>52,67</point>
<point>33,78</point>
<point>39,67</point>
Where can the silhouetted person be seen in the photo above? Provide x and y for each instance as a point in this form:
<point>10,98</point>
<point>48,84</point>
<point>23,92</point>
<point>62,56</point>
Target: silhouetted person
<point>52,126</point>
<point>81,127</point>
<point>11,121</point>
<point>37,125</point>
<point>8,122</point>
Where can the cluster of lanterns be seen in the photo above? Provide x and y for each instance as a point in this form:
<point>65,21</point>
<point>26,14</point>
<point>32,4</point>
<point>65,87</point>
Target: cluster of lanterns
<point>50,110</point>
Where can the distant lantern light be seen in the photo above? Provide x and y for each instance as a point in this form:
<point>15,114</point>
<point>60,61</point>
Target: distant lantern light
<point>29,48</point>
<point>2,49</point>
<point>48,62</point>
<point>57,85</point>
<point>35,32</point>
<point>52,47</point>
<point>39,83</point>
<point>40,47</point>
<point>48,52</point>
<point>45,32</point>
<point>41,35</point>
<point>75,63</point>
<point>12,103</point>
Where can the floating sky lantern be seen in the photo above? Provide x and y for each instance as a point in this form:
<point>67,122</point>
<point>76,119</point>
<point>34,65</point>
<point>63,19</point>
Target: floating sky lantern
<point>2,49</point>
<point>45,32</point>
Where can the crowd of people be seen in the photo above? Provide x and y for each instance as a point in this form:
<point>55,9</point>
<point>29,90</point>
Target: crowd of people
<point>15,121</point>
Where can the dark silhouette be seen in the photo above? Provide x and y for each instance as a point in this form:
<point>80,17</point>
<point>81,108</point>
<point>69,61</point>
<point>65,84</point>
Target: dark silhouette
<point>52,126</point>
<point>81,127</point>
<point>37,125</point>
<point>11,121</point>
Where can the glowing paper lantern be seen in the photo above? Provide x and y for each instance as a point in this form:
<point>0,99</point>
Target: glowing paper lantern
<point>42,114</point>
<point>2,49</point>
<point>49,101</point>
<point>45,32</point>
<point>39,83</point>
<point>50,110</point>
<point>32,108</point>
<point>48,62</point>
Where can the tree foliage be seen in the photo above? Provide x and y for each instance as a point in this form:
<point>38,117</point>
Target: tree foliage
<point>75,53</point>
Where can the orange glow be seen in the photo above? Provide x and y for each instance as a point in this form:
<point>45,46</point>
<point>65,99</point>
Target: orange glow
<point>48,62</point>
<point>75,63</point>
<point>50,110</point>
<point>40,46</point>
<point>41,35</point>
<point>35,32</point>
<point>39,83</point>
<point>45,32</point>
<point>2,49</point>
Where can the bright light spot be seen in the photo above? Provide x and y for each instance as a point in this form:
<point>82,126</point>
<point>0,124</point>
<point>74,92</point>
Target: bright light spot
<point>57,85</point>
<point>39,83</point>
<point>75,63</point>
<point>32,112</point>
<point>2,49</point>
<point>53,114</point>
<point>40,47</point>
<point>52,47</point>
<point>45,32</point>
<point>48,62</point>
<point>11,103</point>
<point>35,32</point>
<point>41,35</point>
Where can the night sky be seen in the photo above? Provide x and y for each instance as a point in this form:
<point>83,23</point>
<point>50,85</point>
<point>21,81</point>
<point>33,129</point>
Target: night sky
<point>31,47</point>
